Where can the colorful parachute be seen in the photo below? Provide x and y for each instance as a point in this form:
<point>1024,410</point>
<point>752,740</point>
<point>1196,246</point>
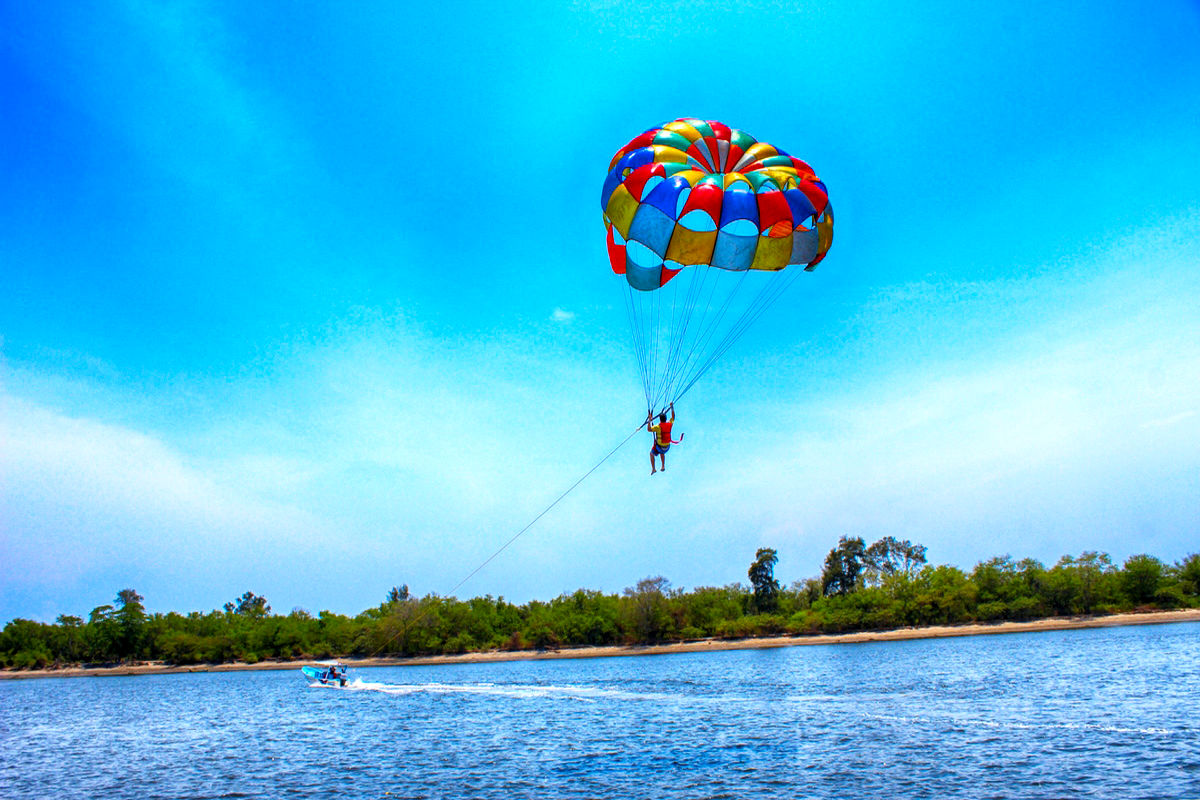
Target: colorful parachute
<point>699,195</point>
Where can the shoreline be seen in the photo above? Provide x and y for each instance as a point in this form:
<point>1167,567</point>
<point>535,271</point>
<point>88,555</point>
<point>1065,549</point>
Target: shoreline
<point>616,651</point>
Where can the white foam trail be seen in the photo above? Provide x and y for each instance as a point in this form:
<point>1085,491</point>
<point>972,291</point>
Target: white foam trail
<point>587,694</point>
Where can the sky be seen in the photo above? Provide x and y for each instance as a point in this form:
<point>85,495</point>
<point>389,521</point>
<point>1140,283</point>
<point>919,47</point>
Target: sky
<point>312,300</point>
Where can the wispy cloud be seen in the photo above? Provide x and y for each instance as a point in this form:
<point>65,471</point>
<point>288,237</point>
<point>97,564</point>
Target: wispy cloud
<point>1174,419</point>
<point>86,500</point>
<point>561,315</point>
<point>378,451</point>
<point>1034,441</point>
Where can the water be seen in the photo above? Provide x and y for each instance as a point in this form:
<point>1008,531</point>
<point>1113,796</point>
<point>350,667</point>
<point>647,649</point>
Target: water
<point>1091,713</point>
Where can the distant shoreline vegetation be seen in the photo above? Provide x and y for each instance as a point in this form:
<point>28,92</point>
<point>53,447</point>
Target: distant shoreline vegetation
<point>886,585</point>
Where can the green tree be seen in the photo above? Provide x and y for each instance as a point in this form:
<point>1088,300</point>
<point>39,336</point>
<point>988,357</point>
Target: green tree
<point>1141,577</point>
<point>249,605</point>
<point>101,634</point>
<point>843,566</point>
<point>1187,573</point>
<point>130,616</point>
<point>806,592</point>
<point>180,647</point>
<point>704,608</point>
<point>998,585</point>
<point>539,628</point>
<point>943,596</point>
<point>762,578</point>
<point>888,556</point>
<point>1030,598</point>
<point>903,589</point>
<point>70,633</point>
<point>871,608</point>
<point>585,617</point>
<point>1082,585</point>
<point>649,619</point>
<point>26,644</point>
<point>1098,580</point>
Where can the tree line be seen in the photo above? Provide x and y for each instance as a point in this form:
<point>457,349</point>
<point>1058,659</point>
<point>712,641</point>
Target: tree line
<point>885,585</point>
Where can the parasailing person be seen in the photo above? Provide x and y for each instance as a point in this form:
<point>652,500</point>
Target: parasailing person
<point>662,436</point>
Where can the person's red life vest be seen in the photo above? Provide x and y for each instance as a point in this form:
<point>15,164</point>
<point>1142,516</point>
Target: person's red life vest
<point>664,433</point>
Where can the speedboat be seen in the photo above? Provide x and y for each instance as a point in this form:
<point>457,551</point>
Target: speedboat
<point>326,673</point>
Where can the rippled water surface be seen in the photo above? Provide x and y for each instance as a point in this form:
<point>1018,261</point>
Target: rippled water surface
<point>1095,713</point>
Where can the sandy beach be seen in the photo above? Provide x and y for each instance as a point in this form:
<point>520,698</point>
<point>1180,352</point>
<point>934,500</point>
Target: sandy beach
<point>699,646</point>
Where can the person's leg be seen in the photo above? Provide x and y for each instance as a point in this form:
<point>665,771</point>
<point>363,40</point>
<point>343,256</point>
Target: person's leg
<point>652,469</point>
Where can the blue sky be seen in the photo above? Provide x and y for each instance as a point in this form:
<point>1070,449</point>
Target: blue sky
<point>314,301</point>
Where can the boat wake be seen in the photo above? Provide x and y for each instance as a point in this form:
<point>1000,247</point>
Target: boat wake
<point>585,694</point>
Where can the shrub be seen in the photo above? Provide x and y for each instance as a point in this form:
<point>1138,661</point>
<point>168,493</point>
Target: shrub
<point>1025,608</point>
<point>515,641</point>
<point>805,621</point>
<point>177,647</point>
<point>756,625</point>
<point>31,659</point>
<point>990,612</point>
<point>840,619</point>
<point>543,637</point>
<point>1170,597</point>
<point>458,644</point>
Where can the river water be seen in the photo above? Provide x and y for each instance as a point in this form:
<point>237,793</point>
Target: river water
<point>1089,713</point>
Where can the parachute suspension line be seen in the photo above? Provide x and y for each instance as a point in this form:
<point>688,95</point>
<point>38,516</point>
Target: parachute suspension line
<point>635,338</point>
<point>765,298</point>
<point>638,338</point>
<point>655,331</point>
<point>707,320</point>
<point>650,320</point>
<point>708,329</point>
<point>698,327</point>
<point>408,626</point>
<point>680,320</point>
<point>664,337</point>
<point>640,324</point>
<point>670,342</point>
<point>679,333</point>
<point>680,326</point>
<point>701,320</point>
<point>696,321</point>
<point>767,295</point>
<point>647,318</point>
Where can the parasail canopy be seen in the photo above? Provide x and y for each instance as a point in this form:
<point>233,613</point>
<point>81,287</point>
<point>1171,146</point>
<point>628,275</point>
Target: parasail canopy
<point>701,198</point>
